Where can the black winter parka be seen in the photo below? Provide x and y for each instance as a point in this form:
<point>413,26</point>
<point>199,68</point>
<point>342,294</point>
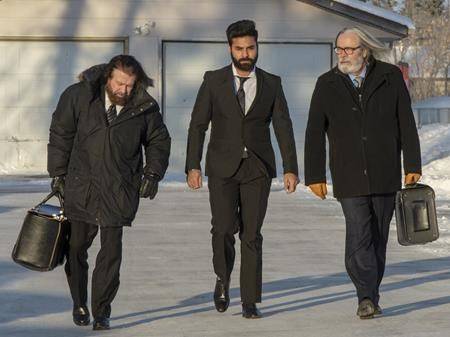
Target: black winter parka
<point>103,164</point>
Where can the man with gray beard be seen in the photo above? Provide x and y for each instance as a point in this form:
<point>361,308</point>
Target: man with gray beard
<point>362,105</point>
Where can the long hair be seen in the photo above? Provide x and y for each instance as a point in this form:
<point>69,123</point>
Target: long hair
<point>369,42</point>
<point>129,64</point>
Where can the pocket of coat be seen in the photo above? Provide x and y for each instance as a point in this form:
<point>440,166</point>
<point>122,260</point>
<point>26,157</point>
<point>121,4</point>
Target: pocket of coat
<point>129,199</point>
<point>88,194</point>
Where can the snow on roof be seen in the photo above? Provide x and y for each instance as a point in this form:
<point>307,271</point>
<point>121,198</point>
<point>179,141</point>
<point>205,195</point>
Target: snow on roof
<point>440,102</point>
<point>378,11</point>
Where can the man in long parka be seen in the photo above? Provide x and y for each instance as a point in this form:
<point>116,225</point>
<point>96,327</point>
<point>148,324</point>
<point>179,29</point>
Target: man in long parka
<point>95,156</point>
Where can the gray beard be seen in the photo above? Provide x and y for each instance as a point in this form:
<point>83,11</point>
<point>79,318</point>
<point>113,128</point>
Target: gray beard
<point>350,68</point>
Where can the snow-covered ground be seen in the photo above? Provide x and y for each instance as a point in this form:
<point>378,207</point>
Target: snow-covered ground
<point>435,148</point>
<point>167,277</point>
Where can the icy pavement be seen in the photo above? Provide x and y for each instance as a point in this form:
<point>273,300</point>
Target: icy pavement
<point>167,278</point>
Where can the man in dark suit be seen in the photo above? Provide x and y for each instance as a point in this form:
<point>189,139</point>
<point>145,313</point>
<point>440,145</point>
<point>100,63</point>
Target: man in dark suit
<point>363,106</point>
<point>240,101</point>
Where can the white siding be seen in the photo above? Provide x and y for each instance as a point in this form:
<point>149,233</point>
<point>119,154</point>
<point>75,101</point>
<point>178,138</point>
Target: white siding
<point>299,65</point>
<point>34,73</point>
<point>43,69</point>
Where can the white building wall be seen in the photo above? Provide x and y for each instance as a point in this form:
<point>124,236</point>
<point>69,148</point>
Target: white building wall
<point>187,20</point>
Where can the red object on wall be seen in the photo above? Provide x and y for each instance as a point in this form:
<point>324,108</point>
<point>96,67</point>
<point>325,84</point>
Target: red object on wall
<point>404,67</point>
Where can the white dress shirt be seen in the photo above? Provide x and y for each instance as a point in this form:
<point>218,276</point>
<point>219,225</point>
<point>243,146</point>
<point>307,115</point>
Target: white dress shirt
<point>249,87</point>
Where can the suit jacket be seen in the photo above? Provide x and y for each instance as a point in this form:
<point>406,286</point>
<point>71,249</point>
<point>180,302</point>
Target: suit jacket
<point>231,130</point>
<point>366,135</point>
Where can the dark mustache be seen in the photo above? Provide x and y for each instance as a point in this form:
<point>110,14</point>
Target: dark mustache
<point>245,59</point>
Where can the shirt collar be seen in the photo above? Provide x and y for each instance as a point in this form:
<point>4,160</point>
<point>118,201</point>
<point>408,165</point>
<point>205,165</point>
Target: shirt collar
<point>362,75</point>
<point>235,73</point>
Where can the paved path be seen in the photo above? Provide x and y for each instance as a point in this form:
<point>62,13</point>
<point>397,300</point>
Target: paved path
<point>167,278</point>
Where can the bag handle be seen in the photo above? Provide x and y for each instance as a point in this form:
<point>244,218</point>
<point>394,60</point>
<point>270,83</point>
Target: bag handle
<point>51,195</point>
<point>415,185</point>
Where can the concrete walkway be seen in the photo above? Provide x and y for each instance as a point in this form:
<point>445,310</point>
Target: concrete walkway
<point>167,278</point>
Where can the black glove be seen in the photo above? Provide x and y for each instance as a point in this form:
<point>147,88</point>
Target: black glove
<point>57,185</point>
<point>149,186</point>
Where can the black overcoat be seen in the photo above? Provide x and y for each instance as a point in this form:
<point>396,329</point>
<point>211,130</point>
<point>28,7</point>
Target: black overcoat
<point>103,164</point>
<point>366,134</point>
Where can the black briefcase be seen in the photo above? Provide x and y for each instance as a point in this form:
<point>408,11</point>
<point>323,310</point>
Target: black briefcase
<point>415,214</point>
<point>43,239</point>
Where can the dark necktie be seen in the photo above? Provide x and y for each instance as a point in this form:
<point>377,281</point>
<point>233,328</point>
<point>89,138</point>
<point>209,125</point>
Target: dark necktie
<point>111,113</point>
<point>241,93</point>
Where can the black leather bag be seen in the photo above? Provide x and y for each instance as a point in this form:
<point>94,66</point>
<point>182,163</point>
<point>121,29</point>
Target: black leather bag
<point>43,239</point>
<point>415,214</point>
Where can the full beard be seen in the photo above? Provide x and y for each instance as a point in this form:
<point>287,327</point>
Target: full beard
<point>244,64</point>
<point>116,99</point>
<point>350,68</point>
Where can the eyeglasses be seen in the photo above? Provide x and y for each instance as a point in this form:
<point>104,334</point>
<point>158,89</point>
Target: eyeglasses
<point>346,50</point>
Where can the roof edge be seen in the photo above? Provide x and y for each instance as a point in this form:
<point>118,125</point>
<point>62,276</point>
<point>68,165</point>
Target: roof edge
<point>359,14</point>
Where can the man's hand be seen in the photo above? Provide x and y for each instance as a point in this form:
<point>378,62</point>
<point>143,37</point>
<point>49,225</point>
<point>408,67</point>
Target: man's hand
<point>194,179</point>
<point>149,186</point>
<point>57,185</point>
<point>412,178</point>
<point>290,182</point>
<point>319,189</point>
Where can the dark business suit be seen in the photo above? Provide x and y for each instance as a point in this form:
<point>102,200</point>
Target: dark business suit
<point>239,188</point>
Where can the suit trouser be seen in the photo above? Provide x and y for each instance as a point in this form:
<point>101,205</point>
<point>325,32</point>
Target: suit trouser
<point>238,204</point>
<point>105,277</point>
<point>367,229</point>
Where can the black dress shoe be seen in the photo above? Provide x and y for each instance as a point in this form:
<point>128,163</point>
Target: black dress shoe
<point>249,310</point>
<point>221,295</point>
<point>81,315</point>
<point>366,309</point>
<point>101,323</point>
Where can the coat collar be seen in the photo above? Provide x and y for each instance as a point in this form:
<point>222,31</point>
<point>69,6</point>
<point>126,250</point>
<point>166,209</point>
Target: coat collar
<point>139,102</point>
<point>376,75</point>
<point>94,79</point>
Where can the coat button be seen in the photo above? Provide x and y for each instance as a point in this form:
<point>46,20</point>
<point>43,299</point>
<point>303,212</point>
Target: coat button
<point>364,138</point>
<point>355,108</point>
<point>365,172</point>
